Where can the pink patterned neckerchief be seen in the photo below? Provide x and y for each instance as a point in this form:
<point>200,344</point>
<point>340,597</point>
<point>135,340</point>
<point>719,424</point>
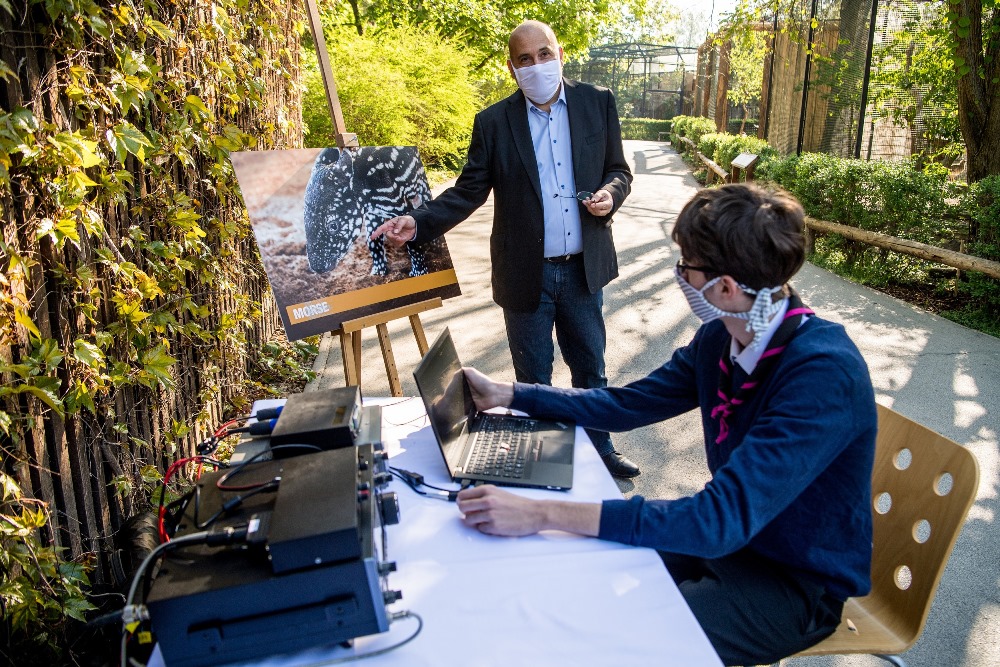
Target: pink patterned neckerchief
<point>782,336</point>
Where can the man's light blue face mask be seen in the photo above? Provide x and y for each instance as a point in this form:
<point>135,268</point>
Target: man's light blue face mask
<point>757,317</point>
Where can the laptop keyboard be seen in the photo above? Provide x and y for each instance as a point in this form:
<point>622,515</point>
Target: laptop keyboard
<point>501,447</point>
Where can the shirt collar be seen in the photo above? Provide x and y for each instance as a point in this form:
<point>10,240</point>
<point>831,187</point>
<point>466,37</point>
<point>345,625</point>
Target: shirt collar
<point>562,98</point>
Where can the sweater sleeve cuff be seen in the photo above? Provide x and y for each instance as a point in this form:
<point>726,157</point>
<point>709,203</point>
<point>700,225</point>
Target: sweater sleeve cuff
<point>618,518</point>
<point>524,397</point>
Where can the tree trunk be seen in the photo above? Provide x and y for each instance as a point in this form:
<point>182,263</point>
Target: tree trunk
<point>978,97</point>
<point>357,17</point>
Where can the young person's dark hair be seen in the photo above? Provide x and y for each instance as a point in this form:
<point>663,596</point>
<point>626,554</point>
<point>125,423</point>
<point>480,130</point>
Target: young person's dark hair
<point>744,231</point>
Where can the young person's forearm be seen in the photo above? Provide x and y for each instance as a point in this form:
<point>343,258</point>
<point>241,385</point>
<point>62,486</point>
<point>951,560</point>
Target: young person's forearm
<point>579,518</point>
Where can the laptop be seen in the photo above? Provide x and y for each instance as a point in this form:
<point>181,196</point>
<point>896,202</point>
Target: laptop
<point>506,450</point>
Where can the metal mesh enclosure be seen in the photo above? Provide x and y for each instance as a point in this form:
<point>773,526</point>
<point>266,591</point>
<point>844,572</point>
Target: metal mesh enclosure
<point>860,90</point>
<point>905,115</point>
<point>816,96</point>
<point>785,80</point>
<point>648,80</point>
<point>837,77</point>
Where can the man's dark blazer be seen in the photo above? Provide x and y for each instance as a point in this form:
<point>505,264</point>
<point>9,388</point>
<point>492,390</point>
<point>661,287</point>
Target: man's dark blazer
<point>502,159</point>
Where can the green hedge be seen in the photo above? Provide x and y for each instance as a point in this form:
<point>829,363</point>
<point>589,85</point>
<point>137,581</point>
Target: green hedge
<point>710,142</point>
<point>897,199</point>
<point>734,144</point>
<point>691,127</point>
<point>982,202</point>
<point>889,197</point>
<point>723,148</point>
<point>644,129</point>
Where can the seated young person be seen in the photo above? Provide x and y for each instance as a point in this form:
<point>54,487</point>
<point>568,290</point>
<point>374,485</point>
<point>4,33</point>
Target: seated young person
<point>768,551</point>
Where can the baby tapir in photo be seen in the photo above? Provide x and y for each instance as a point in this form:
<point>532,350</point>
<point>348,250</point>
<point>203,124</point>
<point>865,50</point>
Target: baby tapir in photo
<point>355,190</point>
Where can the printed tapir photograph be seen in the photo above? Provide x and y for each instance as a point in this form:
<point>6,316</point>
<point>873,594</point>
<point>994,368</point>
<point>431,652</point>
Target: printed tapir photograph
<point>313,211</point>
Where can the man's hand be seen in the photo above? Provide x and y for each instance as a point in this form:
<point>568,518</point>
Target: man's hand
<point>493,511</point>
<point>487,393</point>
<point>600,204</point>
<point>397,230</point>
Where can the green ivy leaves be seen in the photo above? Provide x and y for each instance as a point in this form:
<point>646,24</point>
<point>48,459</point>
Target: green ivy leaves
<point>123,229</point>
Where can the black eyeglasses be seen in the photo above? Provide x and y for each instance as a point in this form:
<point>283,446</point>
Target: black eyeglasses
<point>684,268</point>
<point>581,195</point>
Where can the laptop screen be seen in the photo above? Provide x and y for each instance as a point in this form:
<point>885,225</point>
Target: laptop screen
<point>446,395</point>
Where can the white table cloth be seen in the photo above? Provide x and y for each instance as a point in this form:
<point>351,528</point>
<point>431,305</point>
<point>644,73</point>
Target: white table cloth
<point>550,599</point>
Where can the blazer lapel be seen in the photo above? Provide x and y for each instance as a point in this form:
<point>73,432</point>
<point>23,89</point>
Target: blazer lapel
<point>577,131</point>
<point>517,116</point>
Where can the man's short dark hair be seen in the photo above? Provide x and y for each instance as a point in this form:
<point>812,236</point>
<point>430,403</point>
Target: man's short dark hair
<point>744,231</point>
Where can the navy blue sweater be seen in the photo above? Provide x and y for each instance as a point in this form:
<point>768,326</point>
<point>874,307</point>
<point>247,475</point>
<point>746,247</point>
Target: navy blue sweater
<point>792,481</point>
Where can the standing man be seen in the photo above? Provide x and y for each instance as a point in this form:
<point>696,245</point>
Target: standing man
<point>552,155</point>
<point>768,551</point>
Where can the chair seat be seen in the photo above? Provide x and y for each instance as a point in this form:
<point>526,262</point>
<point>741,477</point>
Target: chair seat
<point>861,631</point>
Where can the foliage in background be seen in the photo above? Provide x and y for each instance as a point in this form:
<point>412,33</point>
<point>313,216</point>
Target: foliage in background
<point>41,591</point>
<point>644,129</point>
<point>690,127</point>
<point>889,197</point>
<point>893,198</point>
<point>899,200</point>
<point>132,298</point>
<point>400,86</point>
<point>482,28</point>
<point>967,57</point>
<point>982,202</point>
<point>722,148</point>
<point>644,21</point>
<point>746,70</point>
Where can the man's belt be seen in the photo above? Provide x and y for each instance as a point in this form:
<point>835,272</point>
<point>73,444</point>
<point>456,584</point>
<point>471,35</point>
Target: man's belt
<point>562,259</point>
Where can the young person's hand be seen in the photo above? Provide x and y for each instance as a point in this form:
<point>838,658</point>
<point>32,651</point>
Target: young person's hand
<point>493,511</point>
<point>487,393</point>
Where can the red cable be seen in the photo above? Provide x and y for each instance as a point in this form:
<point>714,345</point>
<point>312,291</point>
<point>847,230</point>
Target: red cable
<point>161,529</point>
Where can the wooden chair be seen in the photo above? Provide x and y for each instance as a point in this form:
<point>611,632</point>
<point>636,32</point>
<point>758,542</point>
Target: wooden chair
<point>922,487</point>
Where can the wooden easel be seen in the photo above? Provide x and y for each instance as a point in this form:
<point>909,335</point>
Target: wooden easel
<point>350,331</point>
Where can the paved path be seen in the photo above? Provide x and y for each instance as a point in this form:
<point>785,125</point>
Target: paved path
<point>932,370</point>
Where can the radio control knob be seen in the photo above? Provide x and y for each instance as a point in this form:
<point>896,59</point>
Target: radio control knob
<point>389,508</point>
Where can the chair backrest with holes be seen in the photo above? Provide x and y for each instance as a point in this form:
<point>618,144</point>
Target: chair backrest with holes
<point>922,487</point>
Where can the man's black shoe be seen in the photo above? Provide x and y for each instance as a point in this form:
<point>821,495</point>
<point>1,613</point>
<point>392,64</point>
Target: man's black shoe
<point>619,466</point>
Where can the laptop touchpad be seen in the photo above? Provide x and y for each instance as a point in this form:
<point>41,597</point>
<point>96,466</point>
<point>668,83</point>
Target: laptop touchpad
<point>555,448</point>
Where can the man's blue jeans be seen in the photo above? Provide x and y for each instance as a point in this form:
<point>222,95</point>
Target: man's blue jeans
<point>576,314</point>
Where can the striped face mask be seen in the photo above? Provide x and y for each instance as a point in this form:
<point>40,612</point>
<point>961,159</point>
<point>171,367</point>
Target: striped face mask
<point>757,317</point>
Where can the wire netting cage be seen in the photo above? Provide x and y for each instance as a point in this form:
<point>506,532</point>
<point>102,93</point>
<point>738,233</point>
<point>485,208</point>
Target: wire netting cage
<point>912,107</point>
<point>851,78</point>
<point>648,80</point>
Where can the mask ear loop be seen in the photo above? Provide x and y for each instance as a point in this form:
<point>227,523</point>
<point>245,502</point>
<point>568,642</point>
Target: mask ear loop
<point>759,316</point>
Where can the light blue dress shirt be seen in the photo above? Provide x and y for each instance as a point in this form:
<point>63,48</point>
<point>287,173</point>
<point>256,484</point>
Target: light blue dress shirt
<point>554,157</point>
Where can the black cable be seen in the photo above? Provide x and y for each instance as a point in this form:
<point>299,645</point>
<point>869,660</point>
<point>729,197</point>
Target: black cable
<point>129,613</point>
<point>351,658</point>
<point>418,479</point>
<point>233,503</point>
<point>411,480</point>
<point>220,484</point>
<point>163,487</point>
